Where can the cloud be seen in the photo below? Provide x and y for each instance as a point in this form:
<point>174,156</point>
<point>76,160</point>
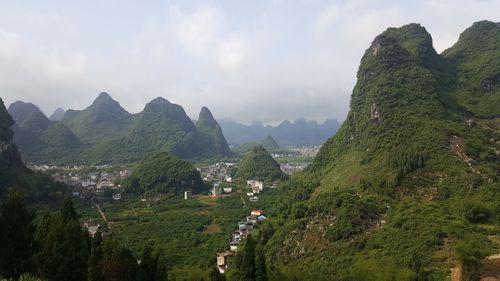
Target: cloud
<point>233,52</point>
<point>248,60</point>
<point>40,76</point>
<point>197,31</point>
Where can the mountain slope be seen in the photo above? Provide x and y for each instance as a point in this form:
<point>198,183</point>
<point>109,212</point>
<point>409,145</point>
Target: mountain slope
<point>268,143</point>
<point>103,120</point>
<point>211,133</point>
<point>163,127</point>
<point>257,164</point>
<point>41,140</point>
<point>57,115</point>
<point>475,59</point>
<point>397,180</point>
<point>13,173</point>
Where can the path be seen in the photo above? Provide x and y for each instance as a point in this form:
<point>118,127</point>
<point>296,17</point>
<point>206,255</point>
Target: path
<point>102,213</point>
<point>489,272</point>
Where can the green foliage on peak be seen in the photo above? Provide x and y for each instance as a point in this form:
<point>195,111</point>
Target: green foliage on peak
<point>257,164</point>
<point>211,134</point>
<point>40,140</point>
<point>103,120</point>
<point>474,59</point>
<point>104,132</point>
<point>164,173</point>
<point>413,170</point>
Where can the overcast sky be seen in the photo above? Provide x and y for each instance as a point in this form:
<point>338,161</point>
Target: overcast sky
<point>247,60</point>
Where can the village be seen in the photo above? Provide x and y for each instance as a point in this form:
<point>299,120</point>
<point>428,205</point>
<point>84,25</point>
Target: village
<point>101,183</point>
<point>89,181</point>
<point>245,227</point>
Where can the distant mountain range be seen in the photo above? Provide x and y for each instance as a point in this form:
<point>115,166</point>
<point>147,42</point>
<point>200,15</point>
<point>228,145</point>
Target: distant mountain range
<point>105,132</point>
<point>299,132</point>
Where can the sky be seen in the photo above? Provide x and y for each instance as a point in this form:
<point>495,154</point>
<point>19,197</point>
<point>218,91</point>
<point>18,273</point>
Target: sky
<point>246,60</point>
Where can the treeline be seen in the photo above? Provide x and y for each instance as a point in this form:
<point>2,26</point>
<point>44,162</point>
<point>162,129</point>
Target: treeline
<point>55,247</point>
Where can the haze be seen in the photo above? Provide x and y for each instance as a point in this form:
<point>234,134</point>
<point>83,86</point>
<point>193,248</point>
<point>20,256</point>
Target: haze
<point>247,60</point>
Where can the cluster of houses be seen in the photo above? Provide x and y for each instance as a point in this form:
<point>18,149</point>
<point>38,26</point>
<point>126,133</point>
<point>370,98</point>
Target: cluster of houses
<point>290,168</point>
<point>255,187</point>
<point>245,228</point>
<point>218,189</point>
<point>217,172</point>
<point>85,180</point>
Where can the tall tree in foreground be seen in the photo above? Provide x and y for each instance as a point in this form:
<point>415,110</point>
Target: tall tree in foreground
<point>118,264</point>
<point>245,260</point>
<point>147,267</point>
<point>260,265</point>
<point>63,250</point>
<point>96,259</point>
<point>16,236</point>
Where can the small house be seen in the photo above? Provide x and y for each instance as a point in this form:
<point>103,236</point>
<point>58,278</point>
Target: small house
<point>222,260</point>
<point>257,212</point>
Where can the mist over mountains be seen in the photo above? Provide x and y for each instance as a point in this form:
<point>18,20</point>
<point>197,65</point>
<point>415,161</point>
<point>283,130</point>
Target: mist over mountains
<point>298,132</point>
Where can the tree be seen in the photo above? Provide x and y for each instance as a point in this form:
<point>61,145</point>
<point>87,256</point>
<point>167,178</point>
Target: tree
<point>118,264</point>
<point>96,259</point>
<point>471,256</point>
<point>161,267</point>
<point>147,267</point>
<point>68,211</point>
<point>62,246</point>
<point>245,260</point>
<point>260,266</point>
<point>16,235</point>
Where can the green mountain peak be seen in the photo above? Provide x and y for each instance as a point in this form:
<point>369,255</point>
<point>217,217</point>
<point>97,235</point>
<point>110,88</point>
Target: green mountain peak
<point>206,119</point>
<point>257,164</point>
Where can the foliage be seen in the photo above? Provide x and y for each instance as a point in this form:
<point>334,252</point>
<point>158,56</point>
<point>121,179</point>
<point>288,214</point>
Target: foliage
<point>58,235</point>
<point>470,255</point>
<point>259,165</point>
<point>164,173</point>
<point>402,178</point>
<point>16,235</point>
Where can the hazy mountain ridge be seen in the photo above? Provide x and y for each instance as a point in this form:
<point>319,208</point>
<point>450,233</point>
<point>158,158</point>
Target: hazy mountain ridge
<point>300,132</point>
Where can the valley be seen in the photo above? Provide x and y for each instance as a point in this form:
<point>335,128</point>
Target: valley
<point>406,189</point>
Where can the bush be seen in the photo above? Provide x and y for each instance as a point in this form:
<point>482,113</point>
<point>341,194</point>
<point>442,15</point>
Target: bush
<point>477,213</point>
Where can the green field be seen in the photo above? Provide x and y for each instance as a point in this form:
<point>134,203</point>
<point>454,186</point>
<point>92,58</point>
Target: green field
<point>189,232</point>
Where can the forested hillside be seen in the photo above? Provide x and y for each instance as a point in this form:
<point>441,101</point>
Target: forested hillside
<point>409,186</point>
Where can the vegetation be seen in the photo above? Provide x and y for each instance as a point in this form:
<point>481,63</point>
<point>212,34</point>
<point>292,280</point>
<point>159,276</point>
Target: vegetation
<point>268,143</point>
<point>259,165</point>
<point>37,187</point>
<point>211,133</point>
<point>164,173</point>
<point>411,160</point>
